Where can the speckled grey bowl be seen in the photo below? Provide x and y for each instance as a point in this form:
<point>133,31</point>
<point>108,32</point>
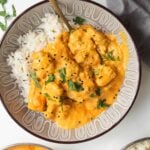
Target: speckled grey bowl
<point>34,122</point>
<point>136,142</point>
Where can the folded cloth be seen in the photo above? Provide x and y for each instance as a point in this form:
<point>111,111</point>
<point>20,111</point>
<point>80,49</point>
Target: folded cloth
<point>135,15</point>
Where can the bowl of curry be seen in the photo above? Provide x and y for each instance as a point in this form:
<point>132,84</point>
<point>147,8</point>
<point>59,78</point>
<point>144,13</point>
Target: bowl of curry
<point>27,146</point>
<point>80,85</point>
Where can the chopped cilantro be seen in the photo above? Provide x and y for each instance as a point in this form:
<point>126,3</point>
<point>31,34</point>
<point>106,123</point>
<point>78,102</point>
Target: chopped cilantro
<point>102,104</point>
<point>75,86</point>
<point>14,11</point>
<point>2,2</point>
<point>62,73</point>
<point>48,96</point>
<point>5,15</point>
<point>51,78</point>
<point>2,26</point>
<point>78,20</point>
<point>34,78</point>
<point>109,56</point>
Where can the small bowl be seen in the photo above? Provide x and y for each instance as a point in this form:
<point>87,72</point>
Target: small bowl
<point>34,122</point>
<point>26,144</point>
<point>136,142</point>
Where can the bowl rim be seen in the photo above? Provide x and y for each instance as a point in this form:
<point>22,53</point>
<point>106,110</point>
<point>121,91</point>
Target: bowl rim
<point>137,90</point>
<point>20,144</point>
<point>136,141</point>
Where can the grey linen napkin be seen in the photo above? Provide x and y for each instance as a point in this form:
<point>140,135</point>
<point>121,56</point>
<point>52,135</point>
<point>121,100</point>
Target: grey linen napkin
<point>135,15</point>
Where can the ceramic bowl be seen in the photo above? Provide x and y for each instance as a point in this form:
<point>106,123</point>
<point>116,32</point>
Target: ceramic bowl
<point>139,142</point>
<point>34,122</point>
<point>26,144</point>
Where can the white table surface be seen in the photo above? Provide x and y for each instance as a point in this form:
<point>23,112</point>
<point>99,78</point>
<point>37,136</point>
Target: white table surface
<point>135,125</point>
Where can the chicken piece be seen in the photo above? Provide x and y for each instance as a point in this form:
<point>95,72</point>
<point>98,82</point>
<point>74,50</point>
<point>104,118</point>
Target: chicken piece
<point>41,60</point>
<point>79,36</point>
<point>115,50</point>
<point>50,113</point>
<point>82,46</point>
<point>86,83</point>
<point>71,69</point>
<point>102,43</point>
<point>60,47</point>
<point>36,101</point>
<point>64,110</point>
<point>101,40</point>
<point>104,75</point>
<point>42,63</point>
<point>93,58</point>
<point>52,91</point>
<point>77,96</point>
<point>87,80</point>
<point>55,111</point>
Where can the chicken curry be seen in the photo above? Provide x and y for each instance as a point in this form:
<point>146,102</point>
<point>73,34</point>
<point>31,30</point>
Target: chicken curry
<point>27,147</point>
<point>78,76</point>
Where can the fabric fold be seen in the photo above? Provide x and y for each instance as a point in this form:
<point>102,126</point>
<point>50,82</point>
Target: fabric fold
<point>135,15</point>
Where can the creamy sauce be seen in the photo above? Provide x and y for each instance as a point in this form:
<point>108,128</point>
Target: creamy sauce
<point>27,147</point>
<point>77,77</point>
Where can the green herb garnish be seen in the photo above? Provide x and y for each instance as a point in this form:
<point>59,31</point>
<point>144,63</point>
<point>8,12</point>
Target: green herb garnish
<point>51,78</point>
<point>75,86</point>
<point>2,2</point>
<point>5,15</point>
<point>98,91</point>
<point>48,96</point>
<point>102,104</point>
<point>34,78</point>
<point>62,73</point>
<point>14,11</point>
<point>78,20</point>
<point>2,26</point>
<point>111,57</point>
<point>2,13</point>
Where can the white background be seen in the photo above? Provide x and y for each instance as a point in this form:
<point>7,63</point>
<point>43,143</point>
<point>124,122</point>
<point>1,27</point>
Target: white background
<point>135,125</point>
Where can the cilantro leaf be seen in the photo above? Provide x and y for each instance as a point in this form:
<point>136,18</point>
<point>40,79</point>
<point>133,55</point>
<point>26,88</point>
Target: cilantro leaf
<point>3,2</point>
<point>62,73</point>
<point>3,26</point>
<point>48,96</point>
<point>102,104</point>
<point>75,86</point>
<point>34,78</point>
<point>110,56</point>
<point>14,11</point>
<point>78,20</point>
<point>8,16</point>
<point>51,78</point>
<point>3,13</point>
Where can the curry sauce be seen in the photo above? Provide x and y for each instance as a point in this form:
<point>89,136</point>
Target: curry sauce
<point>78,76</point>
<point>27,147</point>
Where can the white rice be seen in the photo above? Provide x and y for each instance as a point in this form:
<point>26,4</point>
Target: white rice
<point>145,145</point>
<point>35,40</point>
